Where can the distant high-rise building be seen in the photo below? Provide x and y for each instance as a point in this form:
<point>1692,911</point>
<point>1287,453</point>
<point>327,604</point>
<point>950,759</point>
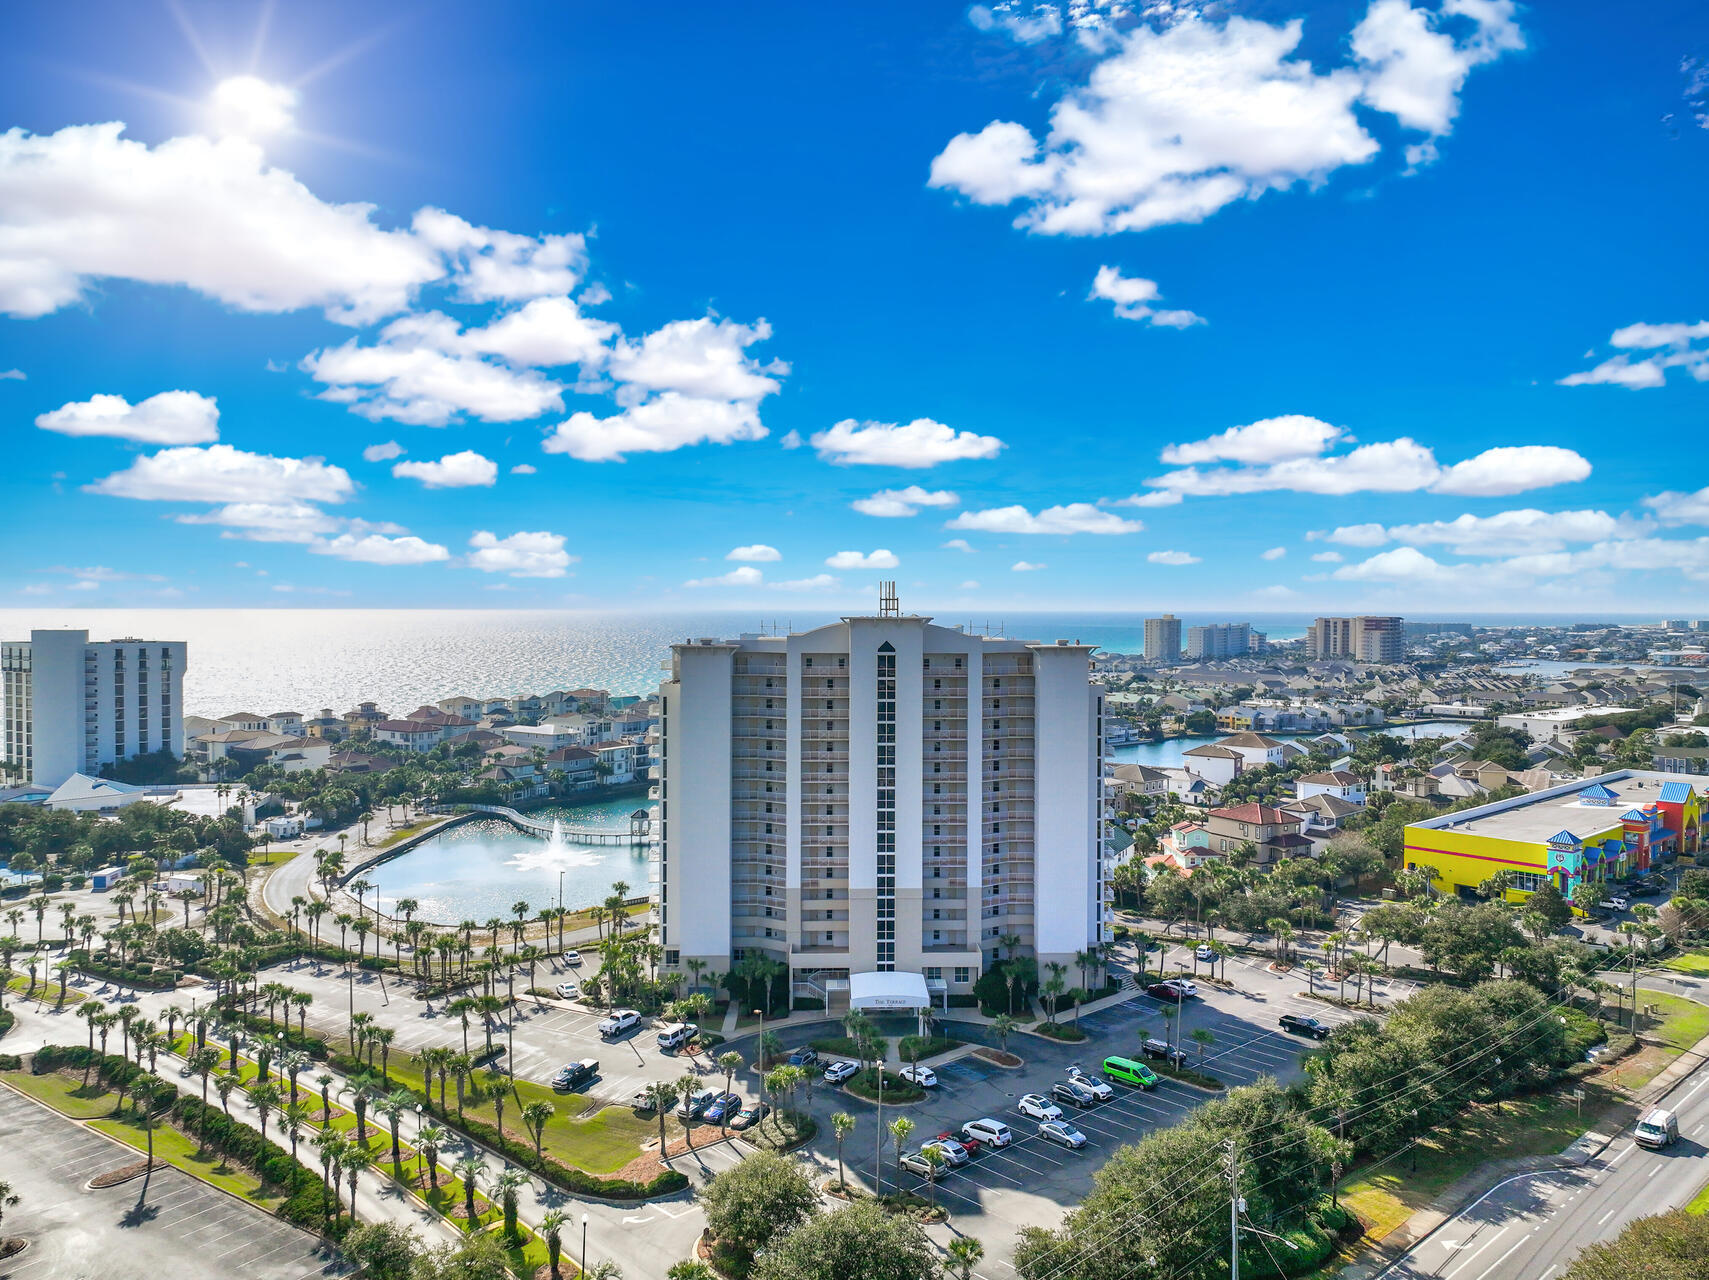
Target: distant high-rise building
<point>880,793</point>
<point>1163,639</point>
<point>1219,640</point>
<point>68,706</point>
<point>1364,639</point>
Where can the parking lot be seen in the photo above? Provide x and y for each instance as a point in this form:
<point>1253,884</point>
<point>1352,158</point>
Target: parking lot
<point>181,1228</point>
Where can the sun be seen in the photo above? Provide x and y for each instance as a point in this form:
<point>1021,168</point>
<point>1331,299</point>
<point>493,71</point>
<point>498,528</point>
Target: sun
<point>250,107</point>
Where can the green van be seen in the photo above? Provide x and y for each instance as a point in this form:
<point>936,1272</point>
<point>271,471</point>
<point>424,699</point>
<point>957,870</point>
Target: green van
<point>1128,1071</point>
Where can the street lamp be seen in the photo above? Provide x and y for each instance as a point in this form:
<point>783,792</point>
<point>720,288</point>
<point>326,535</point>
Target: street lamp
<point>584,1242</point>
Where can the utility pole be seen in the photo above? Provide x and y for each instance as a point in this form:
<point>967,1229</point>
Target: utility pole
<point>1233,1212</point>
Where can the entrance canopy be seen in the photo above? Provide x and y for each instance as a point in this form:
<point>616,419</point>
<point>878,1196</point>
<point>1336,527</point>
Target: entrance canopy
<point>888,991</point>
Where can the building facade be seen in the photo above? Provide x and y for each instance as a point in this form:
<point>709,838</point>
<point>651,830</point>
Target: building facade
<point>1585,831</point>
<point>69,705</point>
<point>1363,639</point>
<point>1163,639</point>
<point>1219,640</point>
<point>879,794</point>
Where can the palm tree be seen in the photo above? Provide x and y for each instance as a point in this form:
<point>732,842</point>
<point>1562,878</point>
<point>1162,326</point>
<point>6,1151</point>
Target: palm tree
<point>469,1168</point>
<point>686,1085</point>
<point>496,1091</point>
<point>552,1232</point>
<point>462,1067</point>
<point>1204,1038</point>
<point>462,1007</point>
<point>325,1081</point>
<point>965,1253</point>
<point>203,1061</point>
<point>507,1184</point>
<point>661,1097</point>
<point>842,1124</point>
<point>900,1128</point>
<point>729,1064</point>
<point>356,1159</point>
<point>935,1160</point>
<point>264,1097</point>
<point>392,1107</point>
<point>292,1119</point>
<point>428,1139</point>
<point>534,1117</point>
<point>224,1085</point>
<point>332,1147</point>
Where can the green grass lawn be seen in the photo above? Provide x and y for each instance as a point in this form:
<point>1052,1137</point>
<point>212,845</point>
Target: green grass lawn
<point>179,1151</point>
<point>1542,1124</point>
<point>1678,1024</point>
<point>1699,1202</point>
<point>1688,962</point>
<point>66,1096</point>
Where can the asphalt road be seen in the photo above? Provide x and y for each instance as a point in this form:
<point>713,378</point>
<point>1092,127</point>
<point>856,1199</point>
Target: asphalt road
<point>1531,1226</point>
<point>166,1225</point>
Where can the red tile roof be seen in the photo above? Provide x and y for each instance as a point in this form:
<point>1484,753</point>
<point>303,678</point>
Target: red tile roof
<point>1259,815</point>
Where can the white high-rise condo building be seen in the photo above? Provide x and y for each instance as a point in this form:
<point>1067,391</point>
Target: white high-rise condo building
<point>71,706</point>
<point>880,794</point>
<point>1163,639</point>
<point>1364,639</point>
<point>1219,640</point>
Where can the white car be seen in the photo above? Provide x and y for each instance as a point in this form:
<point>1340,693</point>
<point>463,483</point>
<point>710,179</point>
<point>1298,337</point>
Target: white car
<point>1100,1090</point>
<point>620,1021</point>
<point>925,1077</point>
<point>1038,1107</point>
<point>573,959</point>
<point>953,1152</point>
<point>1614,902</point>
<point>567,990</point>
<point>1063,1132</point>
<point>838,1072</point>
<point>1203,952</point>
<point>987,1132</point>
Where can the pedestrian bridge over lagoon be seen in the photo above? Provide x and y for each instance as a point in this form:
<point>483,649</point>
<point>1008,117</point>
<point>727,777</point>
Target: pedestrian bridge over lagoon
<point>640,831</point>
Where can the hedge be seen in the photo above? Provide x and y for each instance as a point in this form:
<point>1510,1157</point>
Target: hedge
<point>308,1202</point>
<point>576,1181</point>
<point>150,978</point>
<point>7,1018</point>
<point>312,1045</point>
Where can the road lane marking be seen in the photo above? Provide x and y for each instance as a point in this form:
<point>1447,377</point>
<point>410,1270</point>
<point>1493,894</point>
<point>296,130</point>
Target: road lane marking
<point>1504,1257</point>
<point>1605,1217</point>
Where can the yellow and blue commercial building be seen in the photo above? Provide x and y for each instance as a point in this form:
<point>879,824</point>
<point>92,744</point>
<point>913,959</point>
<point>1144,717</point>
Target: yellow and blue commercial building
<point>1583,832</point>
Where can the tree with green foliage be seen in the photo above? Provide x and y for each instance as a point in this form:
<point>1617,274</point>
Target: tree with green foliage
<point>1668,1246</point>
<point>750,1204</point>
<point>862,1240</point>
<point>383,1250</point>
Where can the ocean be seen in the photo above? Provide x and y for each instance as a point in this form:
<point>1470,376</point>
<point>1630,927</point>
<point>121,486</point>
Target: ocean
<point>266,660</point>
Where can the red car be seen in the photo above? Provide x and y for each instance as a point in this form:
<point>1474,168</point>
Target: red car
<point>969,1145</point>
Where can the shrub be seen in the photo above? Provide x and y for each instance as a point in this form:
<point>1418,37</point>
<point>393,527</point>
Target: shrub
<point>11,1062</point>
<point>1064,1031</point>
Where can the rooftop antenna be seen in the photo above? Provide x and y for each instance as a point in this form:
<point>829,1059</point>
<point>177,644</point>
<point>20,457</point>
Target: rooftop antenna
<point>888,605</point>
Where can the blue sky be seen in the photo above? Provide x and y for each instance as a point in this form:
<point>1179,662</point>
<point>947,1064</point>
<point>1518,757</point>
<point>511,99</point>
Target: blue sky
<point>1264,306</point>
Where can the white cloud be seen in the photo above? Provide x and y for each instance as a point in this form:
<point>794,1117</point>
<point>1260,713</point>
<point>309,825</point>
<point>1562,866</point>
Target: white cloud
<point>1327,557</point>
<point>86,204</point>
<point>818,582</point>
<point>501,266</point>
<point>1269,440</point>
<point>1396,466</point>
<point>1414,66</point>
<point>545,333</point>
<point>1022,24</point>
<point>1184,118</point>
<point>375,548</point>
<point>1075,517</point>
<point>215,472</point>
<point>666,422</point>
<point>521,555</point>
<point>382,452</point>
<point>524,469</point>
<point>1512,469</point>
<point>958,544</point>
<point>13,375</point>
<point>1133,296</point>
<point>704,358</point>
<point>1156,498</point>
<point>1404,565</point>
<point>880,559</point>
<point>1172,557</point>
<point>1517,532</point>
<point>746,576</point>
<point>1673,346</point>
<point>424,370</point>
<point>1353,535</point>
<point>1680,508</point>
<point>972,584</point>
<point>172,417</point>
<point>1274,553</point>
<point>454,471</point>
<point>791,440</point>
<point>757,552</point>
<point>1026,566</point>
<point>251,107</point>
<point>920,443</point>
<point>300,522</point>
<point>903,502</point>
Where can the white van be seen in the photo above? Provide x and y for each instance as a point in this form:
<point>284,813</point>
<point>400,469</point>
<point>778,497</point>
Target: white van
<point>987,1132</point>
<point>677,1034</point>
<point>1658,1129</point>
